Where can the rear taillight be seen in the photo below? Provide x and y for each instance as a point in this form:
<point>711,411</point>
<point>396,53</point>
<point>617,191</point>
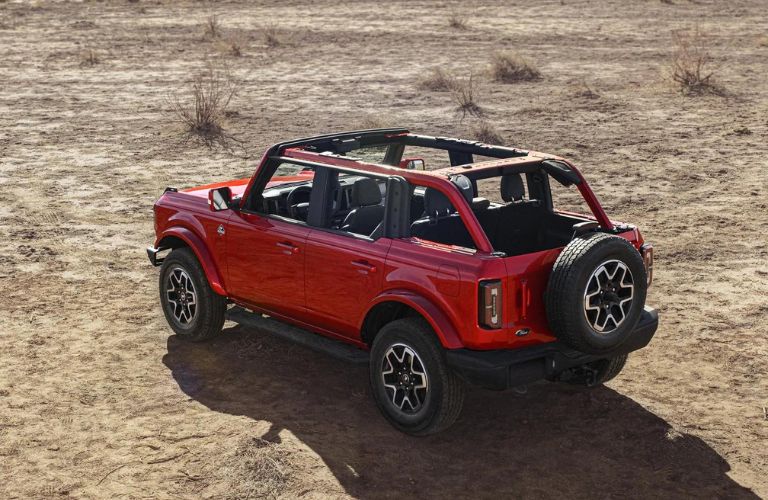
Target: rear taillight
<point>490,304</point>
<point>647,252</point>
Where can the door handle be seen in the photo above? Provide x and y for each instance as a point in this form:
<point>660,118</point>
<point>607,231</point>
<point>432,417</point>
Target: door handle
<point>288,247</point>
<point>364,266</point>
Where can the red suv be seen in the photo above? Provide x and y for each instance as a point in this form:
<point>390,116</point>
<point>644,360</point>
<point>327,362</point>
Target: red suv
<point>481,270</point>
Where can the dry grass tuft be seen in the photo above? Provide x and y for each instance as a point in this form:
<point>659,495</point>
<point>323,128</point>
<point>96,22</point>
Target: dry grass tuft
<point>272,37</point>
<point>465,95</point>
<point>487,133</point>
<point>584,91</point>
<point>89,58</point>
<point>373,121</point>
<point>457,21</point>
<point>438,80</point>
<point>203,118</point>
<point>212,27</point>
<point>690,64</point>
<point>508,67</point>
<point>260,469</point>
<point>233,45</point>
<point>742,131</point>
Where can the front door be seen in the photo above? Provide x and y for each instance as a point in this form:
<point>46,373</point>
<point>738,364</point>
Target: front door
<point>266,262</point>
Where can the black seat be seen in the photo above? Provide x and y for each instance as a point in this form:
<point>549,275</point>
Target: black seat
<point>368,212</point>
<point>512,188</point>
<point>441,223</point>
<point>517,225</point>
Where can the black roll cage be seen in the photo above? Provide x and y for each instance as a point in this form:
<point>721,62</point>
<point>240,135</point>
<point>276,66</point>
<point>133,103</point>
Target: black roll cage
<point>460,151</point>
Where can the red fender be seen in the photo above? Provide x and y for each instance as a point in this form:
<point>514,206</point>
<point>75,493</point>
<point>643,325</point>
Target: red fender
<point>438,320</point>
<point>201,252</point>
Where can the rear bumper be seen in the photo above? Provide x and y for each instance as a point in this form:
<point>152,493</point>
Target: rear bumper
<point>503,369</point>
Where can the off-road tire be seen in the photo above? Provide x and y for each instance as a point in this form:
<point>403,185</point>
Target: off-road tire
<point>606,369</point>
<point>565,294</point>
<point>445,395</point>
<point>208,319</point>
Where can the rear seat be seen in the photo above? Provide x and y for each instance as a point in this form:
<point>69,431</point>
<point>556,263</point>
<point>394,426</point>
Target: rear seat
<point>514,227</point>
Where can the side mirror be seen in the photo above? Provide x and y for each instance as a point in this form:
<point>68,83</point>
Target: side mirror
<point>412,164</point>
<point>219,199</point>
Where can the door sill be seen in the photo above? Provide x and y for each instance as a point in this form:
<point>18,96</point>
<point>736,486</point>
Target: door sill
<point>334,348</point>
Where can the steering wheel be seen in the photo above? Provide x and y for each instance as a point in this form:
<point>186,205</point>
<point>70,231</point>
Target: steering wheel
<point>298,196</point>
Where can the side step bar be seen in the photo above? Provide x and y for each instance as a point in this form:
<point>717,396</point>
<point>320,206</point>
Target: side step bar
<point>316,342</point>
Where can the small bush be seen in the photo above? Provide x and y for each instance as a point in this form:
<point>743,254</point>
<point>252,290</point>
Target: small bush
<point>212,27</point>
<point>438,80</point>
<point>465,96</point>
<point>211,93</point>
<point>259,469</point>
<point>457,21</point>
<point>487,133</point>
<point>367,122</point>
<point>690,64</point>
<point>583,90</point>
<point>234,45</point>
<point>272,37</point>
<point>89,58</point>
<point>511,68</point>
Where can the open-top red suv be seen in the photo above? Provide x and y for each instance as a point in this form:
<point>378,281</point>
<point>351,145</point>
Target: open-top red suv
<point>479,271</point>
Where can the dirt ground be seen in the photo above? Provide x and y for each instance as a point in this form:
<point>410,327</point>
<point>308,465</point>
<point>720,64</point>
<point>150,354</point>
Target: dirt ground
<point>98,399</point>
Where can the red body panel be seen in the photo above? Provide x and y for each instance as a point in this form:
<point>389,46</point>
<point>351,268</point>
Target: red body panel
<point>328,282</point>
<point>343,276</point>
<point>266,263</point>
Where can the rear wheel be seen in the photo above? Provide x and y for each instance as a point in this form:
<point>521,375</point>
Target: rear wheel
<point>412,384</point>
<point>192,309</point>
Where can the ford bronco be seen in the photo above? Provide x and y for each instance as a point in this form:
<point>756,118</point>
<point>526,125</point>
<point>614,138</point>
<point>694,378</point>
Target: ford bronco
<point>484,270</point>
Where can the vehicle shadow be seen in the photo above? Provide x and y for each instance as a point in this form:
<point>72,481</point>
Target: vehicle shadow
<point>552,441</point>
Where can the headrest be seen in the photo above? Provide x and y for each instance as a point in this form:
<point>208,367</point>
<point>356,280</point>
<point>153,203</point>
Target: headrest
<point>436,203</point>
<point>365,192</point>
<point>465,186</point>
<point>512,188</point>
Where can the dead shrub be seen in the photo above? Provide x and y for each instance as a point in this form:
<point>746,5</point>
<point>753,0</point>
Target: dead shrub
<point>690,64</point>
<point>272,37</point>
<point>233,45</point>
<point>259,469</point>
<point>212,27</point>
<point>457,21</point>
<point>465,96</point>
<point>212,90</point>
<point>89,58</point>
<point>584,91</point>
<point>368,122</point>
<point>438,80</point>
<point>487,133</point>
<point>508,67</point>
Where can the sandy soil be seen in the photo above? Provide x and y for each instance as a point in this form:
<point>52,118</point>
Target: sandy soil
<point>97,399</point>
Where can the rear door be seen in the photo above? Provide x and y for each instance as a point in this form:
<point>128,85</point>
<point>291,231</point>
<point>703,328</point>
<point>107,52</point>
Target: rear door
<point>345,263</point>
<point>343,275</point>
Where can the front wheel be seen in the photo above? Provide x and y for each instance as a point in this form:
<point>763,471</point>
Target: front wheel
<point>412,384</point>
<point>193,310</point>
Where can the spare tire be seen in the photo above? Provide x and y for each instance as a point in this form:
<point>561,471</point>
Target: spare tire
<point>596,293</point>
